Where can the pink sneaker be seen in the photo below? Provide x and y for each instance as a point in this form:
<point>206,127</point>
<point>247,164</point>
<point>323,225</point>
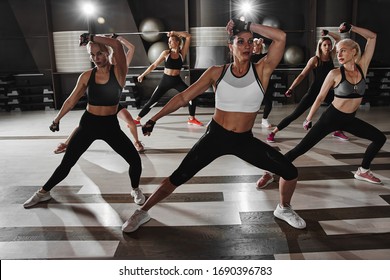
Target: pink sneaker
<point>271,138</point>
<point>194,121</point>
<point>340,135</point>
<point>367,176</point>
<point>264,181</point>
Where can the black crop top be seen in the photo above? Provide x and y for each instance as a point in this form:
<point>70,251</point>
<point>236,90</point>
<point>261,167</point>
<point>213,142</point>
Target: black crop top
<point>346,89</point>
<point>171,63</point>
<point>107,94</point>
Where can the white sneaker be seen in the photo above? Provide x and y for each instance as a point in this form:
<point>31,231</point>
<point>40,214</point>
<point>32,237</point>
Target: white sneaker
<point>265,123</point>
<point>288,215</point>
<point>36,198</point>
<point>139,197</point>
<point>139,147</point>
<point>136,220</point>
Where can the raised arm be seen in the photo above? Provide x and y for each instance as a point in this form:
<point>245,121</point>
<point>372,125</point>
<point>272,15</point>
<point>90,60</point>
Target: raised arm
<point>130,49</point>
<point>276,49</point>
<point>187,41</point>
<point>369,49</point>
<point>336,37</point>
<point>119,55</point>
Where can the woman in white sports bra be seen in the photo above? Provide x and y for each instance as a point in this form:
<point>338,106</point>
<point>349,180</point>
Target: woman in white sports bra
<point>239,88</point>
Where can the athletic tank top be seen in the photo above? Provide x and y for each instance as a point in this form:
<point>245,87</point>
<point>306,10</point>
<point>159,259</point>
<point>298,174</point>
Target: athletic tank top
<point>322,70</point>
<point>346,89</point>
<point>107,94</point>
<point>239,94</point>
<point>171,63</point>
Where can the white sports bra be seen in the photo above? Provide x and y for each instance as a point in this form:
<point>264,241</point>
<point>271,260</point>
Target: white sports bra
<point>239,94</point>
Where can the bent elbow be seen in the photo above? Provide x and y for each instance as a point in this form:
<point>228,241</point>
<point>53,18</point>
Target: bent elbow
<point>282,36</point>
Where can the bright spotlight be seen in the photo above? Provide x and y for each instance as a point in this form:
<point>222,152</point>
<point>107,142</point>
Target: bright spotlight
<point>249,9</point>
<point>88,9</point>
<point>246,8</point>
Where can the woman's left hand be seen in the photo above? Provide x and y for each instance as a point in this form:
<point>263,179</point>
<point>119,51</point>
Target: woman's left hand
<point>307,125</point>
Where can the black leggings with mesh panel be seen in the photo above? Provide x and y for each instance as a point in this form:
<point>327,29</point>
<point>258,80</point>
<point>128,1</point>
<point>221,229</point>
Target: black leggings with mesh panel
<point>92,128</point>
<point>167,83</point>
<point>217,142</point>
<point>333,120</point>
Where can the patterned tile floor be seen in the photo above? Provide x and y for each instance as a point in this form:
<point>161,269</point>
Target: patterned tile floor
<point>217,215</point>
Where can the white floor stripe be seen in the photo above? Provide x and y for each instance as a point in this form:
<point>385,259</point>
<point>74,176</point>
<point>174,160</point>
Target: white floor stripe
<point>355,226</point>
<point>105,215</point>
<point>380,254</point>
<point>57,249</point>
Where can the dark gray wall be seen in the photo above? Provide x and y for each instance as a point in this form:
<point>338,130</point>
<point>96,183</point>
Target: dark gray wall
<point>26,26</point>
<point>24,42</point>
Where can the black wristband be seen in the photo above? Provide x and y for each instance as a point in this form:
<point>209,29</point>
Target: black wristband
<point>91,37</point>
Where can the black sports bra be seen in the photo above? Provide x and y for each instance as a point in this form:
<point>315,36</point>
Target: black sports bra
<point>107,94</point>
<point>171,63</point>
<point>346,89</point>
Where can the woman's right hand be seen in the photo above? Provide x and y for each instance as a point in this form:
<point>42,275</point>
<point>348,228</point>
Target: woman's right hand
<point>55,126</point>
<point>324,32</point>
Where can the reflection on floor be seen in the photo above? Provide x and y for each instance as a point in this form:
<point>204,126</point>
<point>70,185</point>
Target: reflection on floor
<point>218,214</point>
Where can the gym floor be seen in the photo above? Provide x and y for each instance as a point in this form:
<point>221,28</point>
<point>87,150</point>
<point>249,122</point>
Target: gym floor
<point>218,214</point>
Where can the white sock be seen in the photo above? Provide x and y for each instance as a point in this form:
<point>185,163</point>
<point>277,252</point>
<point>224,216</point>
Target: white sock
<point>281,206</point>
<point>363,169</point>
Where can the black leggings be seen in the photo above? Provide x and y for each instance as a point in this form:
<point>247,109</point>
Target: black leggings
<point>332,120</point>
<point>267,101</point>
<point>92,128</point>
<point>167,83</point>
<point>305,103</point>
<point>217,142</point>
